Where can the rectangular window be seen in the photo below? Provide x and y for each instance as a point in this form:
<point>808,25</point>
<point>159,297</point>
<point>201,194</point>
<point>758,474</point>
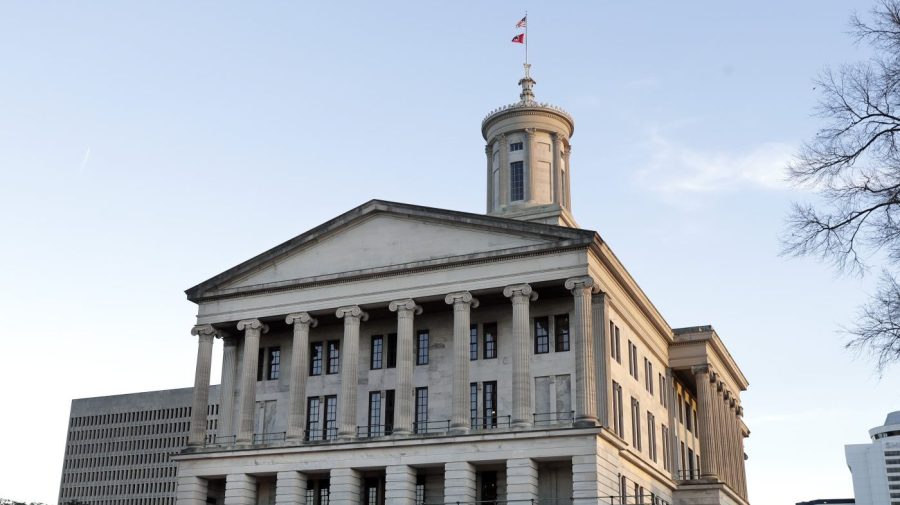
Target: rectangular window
<point>377,354</point>
<point>687,416</point>
<point>561,329</point>
<point>389,412</point>
<point>665,443</point>
<point>391,350</point>
<point>488,488</point>
<point>473,404</point>
<point>490,404</point>
<point>490,340</point>
<point>422,347</point>
<point>334,357</point>
<point>517,181</point>
<point>374,428</point>
<point>473,342</point>
<point>662,390</point>
<point>420,490</point>
<point>330,417</point>
<point>612,344</point>
<point>516,146</point>
<point>651,435</point>
<point>618,411</point>
<point>421,420</point>
<point>680,408</point>
<point>690,463</point>
<point>618,346</point>
<point>541,335</point>
<point>315,358</point>
<point>633,360</point>
<point>636,424</point>
<point>313,423</point>
<point>648,374</point>
<point>260,364</point>
<point>274,363</point>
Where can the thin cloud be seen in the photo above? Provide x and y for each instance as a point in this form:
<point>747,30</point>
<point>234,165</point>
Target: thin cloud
<point>675,169</point>
<point>84,160</point>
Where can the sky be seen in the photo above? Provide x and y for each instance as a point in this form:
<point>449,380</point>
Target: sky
<point>147,146</point>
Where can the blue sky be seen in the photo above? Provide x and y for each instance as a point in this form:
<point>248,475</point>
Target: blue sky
<point>145,147</point>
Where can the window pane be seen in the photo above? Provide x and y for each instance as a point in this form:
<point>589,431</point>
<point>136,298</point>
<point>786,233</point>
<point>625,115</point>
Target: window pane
<point>561,323</point>
<point>274,363</point>
<point>377,352</point>
<point>490,340</point>
<point>490,404</point>
<point>391,350</point>
<point>330,417</point>
<point>374,413</point>
<point>422,348</point>
<point>334,356</point>
<point>315,359</point>
<point>517,181</point>
<point>541,335</point>
<point>473,404</point>
<point>421,420</point>
<point>473,342</point>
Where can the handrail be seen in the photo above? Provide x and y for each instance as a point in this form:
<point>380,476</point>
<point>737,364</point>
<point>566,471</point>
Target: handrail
<point>373,431</point>
<point>428,427</point>
<point>268,438</point>
<point>491,423</point>
<point>561,417</point>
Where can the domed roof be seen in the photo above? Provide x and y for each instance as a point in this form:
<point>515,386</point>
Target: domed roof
<point>527,103</point>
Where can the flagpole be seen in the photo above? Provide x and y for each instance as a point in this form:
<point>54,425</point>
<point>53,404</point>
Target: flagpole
<point>526,37</point>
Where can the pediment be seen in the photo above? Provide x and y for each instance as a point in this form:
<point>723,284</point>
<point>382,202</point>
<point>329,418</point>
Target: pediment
<point>380,236</point>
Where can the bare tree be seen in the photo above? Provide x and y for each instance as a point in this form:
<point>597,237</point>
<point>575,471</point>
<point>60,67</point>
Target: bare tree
<point>853,164</point>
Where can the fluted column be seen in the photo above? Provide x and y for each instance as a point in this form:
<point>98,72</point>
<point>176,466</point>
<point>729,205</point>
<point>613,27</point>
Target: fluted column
<point>566,177</point>
<point>252,329</point>
<point>742,464</point>
<point>504,169</point>
<point>583,337</point>
<point>352,316</point>
<point>557,168</point>
<point>406,311</point>
<point>602,359</point>
<point>521,295</point>
<point>302,322</point>
<point>721,451</point>
<point>489,154</point>
<point>200,402</point>
<point>715,447</point>
<point>226,393</point>
<point>462,302</point>
<point>528,176</point>
<point>708,455</point>
<point>726,439</point>
<point>733,439</point>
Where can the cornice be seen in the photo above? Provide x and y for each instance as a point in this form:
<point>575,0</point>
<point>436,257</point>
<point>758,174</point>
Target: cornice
<point>518,109</point>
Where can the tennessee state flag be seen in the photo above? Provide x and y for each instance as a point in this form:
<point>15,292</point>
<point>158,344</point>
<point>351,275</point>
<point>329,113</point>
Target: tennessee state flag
<point>519,39</point>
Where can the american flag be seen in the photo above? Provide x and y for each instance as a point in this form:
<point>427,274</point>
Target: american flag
<point>523,23</point>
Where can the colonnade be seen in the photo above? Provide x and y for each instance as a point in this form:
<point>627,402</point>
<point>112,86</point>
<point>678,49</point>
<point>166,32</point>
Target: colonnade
<point>462,302</point>
<point>721,431</point>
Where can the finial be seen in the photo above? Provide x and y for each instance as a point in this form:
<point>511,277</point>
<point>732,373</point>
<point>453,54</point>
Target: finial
<point>527,95</point>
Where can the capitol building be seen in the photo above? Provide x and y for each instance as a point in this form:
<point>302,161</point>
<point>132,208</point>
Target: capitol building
<point>407,355</point>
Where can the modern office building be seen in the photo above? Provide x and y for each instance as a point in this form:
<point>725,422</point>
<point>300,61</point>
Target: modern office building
<point>400,354</point>
<point>876,466</point>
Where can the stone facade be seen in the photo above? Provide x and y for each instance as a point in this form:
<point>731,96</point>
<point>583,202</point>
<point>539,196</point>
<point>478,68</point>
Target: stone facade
<point>409,355</point>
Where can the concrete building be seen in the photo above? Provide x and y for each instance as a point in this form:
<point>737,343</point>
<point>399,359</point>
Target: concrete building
<point>876,466</point>
<point>401,354</point>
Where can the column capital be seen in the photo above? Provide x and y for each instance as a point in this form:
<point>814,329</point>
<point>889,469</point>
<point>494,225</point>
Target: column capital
<point>301,318</point>
<point>406,304</point>
<point>352,311</point>
<point>489,148</point>
<point>529,132</point>
<point>582,282</point>
<point>740,411</point>
<point>202,330</point>
<point>461,297</point>
<point>701,369</point>
<point>520,291</point>
<point>252,324</point>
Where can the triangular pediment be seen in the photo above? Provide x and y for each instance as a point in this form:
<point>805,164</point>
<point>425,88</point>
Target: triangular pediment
<point>380,236</point>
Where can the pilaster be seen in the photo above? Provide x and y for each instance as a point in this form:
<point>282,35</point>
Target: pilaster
<point>528,176</point>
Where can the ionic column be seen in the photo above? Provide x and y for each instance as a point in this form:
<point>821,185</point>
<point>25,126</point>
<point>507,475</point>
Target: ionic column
<point>521,481</point>
<point>704,398</point>
<point>714,429</point>
<point>290,488</point>
<point>191,491</point>
<point>240,489</point>
<point>352,315</point>
<point>504,169</point>
<point>302,322</point>
<point>200,403</point>
<point>726,439</point>
<point>459,482</point>
<point>733,439</point>
<point>406,311</point>
<point>252,328</point>
<point>557,168</point>
<point>226,392</point>
<point>673,427</point>
<point>489,153</point>
<point>742,468</point>
<point>565,179</point>
<point>400,485</point>
<point>722,451</point>
<point>583,337</point>
<point>345,486</point>
<point>602,358</point>
<point>521,295</point>
<point>528,176</point>
<point>462,303</point>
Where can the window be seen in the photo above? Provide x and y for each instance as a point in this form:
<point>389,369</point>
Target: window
<point>663,393</point>
<point>313,411</point>
<point>680,408</point>
<point>490,404</point>
<point>636,424</point>
<point>541,335</point>
<point>334,357</point>
<point>374,428</point>
<point>618,342</point>
<point>651,435</point>
<point>331,417</point>
<point>633,360</point>
<point>490,340</point>
<point>317,492</point>
<point>420,490</point>
<point>517,181</point>
<point>687,416</point>
<point>623,489</point>
<point>561,330</point>
<point>648,375</point>
<point>377,354</point>
<point>315,358</point>
<point>690,456</point>
<point>665,443</point>
<point>260,364</point>
<point>516,146</point>
<point>274,369</point>
<point>389,412</point>
<point>488,488</point>
<point>391,350</point>
<point>618,413</point>
<point>473,404</point>
<point>473,342</point>
<point>421,420</point>
<point>422,348</point>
